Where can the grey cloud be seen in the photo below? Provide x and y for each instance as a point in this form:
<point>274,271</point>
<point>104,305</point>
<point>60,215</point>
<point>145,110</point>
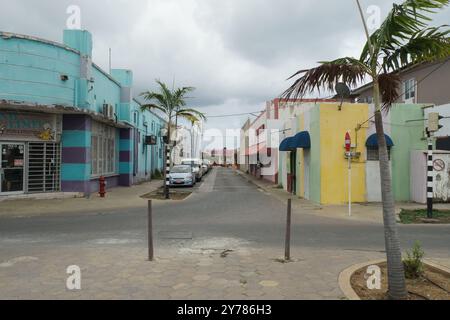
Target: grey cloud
<point>236,53</point>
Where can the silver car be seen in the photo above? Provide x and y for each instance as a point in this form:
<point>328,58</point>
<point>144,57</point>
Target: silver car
<point>196,167</point>
<point>182,176</point>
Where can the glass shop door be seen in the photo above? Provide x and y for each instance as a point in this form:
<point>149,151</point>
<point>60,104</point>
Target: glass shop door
<point>12,163</point>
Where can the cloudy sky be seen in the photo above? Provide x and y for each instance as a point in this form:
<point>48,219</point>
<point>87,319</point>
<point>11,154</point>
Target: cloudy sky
<point>237,53</point>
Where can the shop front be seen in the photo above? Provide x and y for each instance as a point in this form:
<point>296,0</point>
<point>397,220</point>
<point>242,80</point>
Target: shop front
<point>30,157</point>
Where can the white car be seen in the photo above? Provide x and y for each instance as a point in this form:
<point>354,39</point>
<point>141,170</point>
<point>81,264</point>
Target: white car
<point>182,176</point>
<point>206,166</point>
<point>196,167</point>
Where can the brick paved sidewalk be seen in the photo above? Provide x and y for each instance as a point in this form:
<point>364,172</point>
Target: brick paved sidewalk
<point>116,198</point>
<point>369,212</point>
<point>123,273</point>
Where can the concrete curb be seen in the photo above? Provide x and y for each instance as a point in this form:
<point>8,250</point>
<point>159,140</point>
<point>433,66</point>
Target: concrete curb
<point>244,175</point>
<point>346,274</point>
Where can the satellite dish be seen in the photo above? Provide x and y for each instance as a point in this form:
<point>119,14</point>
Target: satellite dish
<point>343,91</point>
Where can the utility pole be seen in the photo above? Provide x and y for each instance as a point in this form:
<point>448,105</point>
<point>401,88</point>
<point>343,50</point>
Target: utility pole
<point>433,126</point>
<point>165,133</point>
<point>225,157</point>
<point>430,193</point>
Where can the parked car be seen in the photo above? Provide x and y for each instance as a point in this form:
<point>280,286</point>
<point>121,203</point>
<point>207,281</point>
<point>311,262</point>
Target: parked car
<point>206,165</point>
<point>196,165</point>
<point>182,175</point>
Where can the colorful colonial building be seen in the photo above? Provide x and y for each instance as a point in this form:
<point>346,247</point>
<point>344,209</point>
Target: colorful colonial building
<point>305,141</point>
<point>65,122</point>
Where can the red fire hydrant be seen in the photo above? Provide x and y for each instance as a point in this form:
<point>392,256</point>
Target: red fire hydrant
<point>102,182</point>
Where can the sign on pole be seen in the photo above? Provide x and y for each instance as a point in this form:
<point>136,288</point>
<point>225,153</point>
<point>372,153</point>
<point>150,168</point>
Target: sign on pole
<point>348,150</point>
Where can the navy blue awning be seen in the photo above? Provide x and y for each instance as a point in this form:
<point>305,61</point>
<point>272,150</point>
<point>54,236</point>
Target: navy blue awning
<point>372,141</point>
<point>300,140</point>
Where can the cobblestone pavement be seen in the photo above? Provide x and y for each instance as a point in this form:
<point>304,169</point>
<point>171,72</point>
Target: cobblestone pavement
<point>223,242</point>
<point>184,273</point>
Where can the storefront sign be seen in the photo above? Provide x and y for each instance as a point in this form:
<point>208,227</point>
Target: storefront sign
<point>28,126</point>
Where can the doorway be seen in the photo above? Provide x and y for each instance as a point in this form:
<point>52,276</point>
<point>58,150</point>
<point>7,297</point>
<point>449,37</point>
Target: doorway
<point>12,164</point>
<point>293,164</point>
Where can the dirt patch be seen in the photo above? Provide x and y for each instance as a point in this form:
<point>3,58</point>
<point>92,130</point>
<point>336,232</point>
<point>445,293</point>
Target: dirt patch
<point>420,216</point>
<point>174,195</point>
<point>433,285</point>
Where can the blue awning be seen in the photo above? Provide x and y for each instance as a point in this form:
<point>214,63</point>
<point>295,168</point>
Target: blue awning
<point>372,141</point>
<point>300,140</point>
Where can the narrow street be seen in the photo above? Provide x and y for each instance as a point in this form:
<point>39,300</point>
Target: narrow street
<point>227,235</point>
<point>224,205</point>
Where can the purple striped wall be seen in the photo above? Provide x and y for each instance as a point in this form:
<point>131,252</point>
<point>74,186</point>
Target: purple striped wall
<point>111,182</point>
<point>81,124</point>
<point>75,186</point>
<point>125,157</point>
<point>125,180</point>
<point>76,155</point>
<point>76,122</point>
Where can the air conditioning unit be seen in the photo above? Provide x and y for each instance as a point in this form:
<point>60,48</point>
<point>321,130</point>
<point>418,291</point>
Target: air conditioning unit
<point>151,140</point>
<point>108,111</point>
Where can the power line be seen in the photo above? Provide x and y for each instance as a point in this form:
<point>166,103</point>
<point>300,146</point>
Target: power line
<point>386,105</point>
<point>236,114</point>
<point>257,113</point>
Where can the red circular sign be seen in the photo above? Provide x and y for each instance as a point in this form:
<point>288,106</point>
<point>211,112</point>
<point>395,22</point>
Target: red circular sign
<point>348,142</point>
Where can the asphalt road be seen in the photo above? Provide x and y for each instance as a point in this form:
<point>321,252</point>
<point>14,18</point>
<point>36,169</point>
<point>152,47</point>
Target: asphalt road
<point>223,206</point>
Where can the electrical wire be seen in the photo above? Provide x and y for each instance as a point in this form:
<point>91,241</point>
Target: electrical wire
<point>386,105</point>
<point>236,114</point>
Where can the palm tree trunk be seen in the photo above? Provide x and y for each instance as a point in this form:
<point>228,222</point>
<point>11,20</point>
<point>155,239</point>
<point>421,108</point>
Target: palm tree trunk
<point>396,275</point>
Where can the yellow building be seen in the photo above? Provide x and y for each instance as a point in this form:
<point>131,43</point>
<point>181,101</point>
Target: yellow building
<point>314,158</point>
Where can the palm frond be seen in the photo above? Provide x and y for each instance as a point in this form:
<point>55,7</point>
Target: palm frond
<point>427,45</point>
<point>152,106</point>
<point>389,87</point>
<point>167,95</point>
<point>189,117</point>
<point>171,102</point>
<point>157,98</point>
<point>403,21</point>
<point>348,70</point>
<point>194,112</point>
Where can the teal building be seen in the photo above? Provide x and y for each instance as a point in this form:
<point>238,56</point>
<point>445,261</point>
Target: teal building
<point>65,122</point>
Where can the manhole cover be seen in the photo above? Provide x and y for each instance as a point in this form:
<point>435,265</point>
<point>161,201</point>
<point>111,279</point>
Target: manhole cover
<point>177,235</point>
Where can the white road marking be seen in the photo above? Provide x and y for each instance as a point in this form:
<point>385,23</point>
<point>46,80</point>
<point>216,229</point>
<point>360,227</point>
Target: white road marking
<point>13,261</point>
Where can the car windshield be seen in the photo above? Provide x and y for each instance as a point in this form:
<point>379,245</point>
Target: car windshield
<point>191,163</point>
<point>183,169</point>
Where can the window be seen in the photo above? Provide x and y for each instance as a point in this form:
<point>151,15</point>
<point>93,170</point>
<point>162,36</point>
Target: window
<point>443,143</point>
<point>410,89</point>
<point>103,149</point>
<point>136,117</point>
<point>372,154</point>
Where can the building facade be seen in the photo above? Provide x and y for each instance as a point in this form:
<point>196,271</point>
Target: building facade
<point>64,122</point>
<point>310,155</point>
<point>424,83</point>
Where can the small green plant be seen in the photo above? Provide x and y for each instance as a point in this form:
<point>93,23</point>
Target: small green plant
<point>157,175</point>
<point>413,263</point>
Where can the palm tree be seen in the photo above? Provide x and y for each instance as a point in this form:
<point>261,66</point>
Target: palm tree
<point>403,39</point>
<point>172,103</point>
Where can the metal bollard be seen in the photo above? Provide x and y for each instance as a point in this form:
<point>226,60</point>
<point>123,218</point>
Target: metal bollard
<point>150,232</point>
<point>287,252</point>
